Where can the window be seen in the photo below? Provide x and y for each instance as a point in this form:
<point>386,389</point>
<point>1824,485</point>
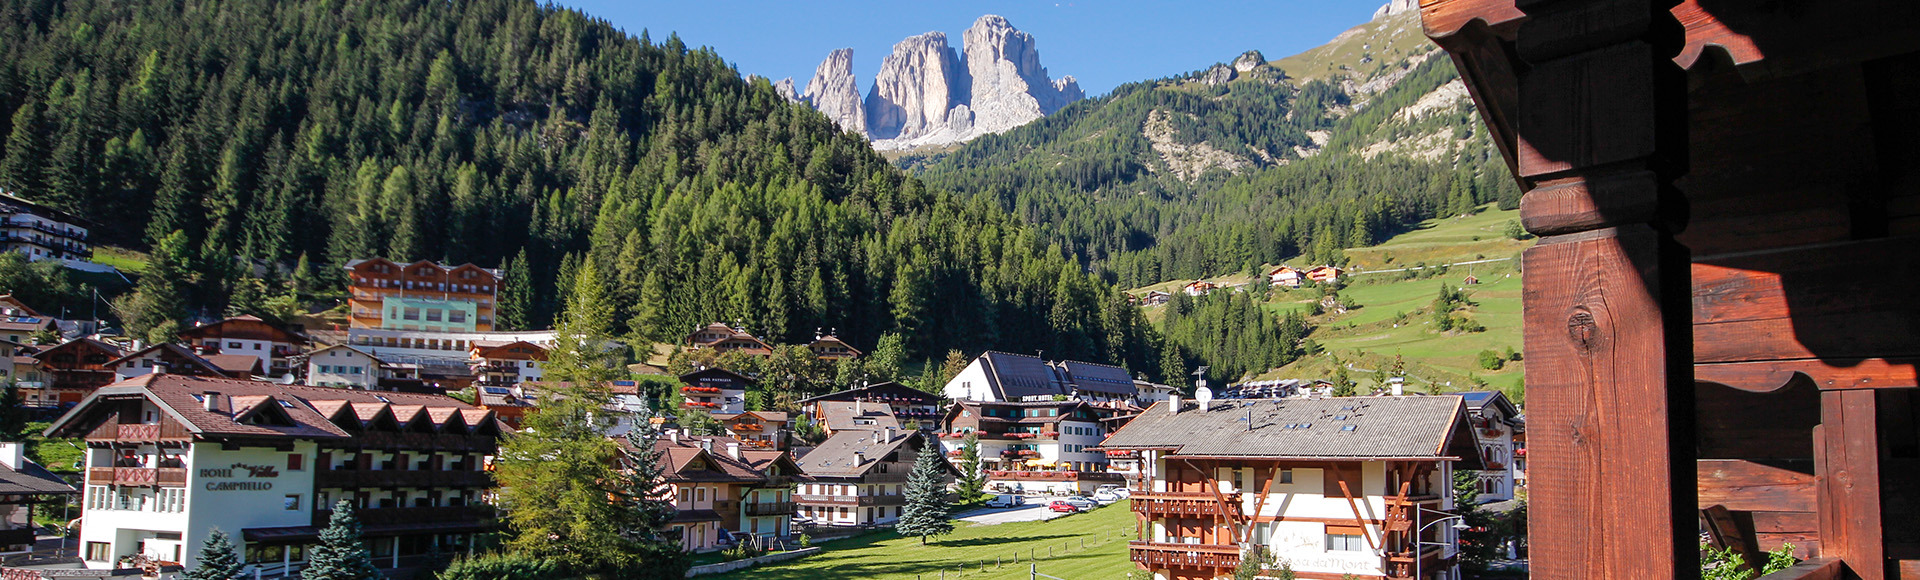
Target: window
<point>233,345</point>
<point>456,316</point>
<point>291,503</point>
<point>296,462</point>
<point>1286,476</point>
<point>99,551</point>
<point>433,315</point>
<point>411,314</point>
<point>700,494</point>
<point>1345,539</point>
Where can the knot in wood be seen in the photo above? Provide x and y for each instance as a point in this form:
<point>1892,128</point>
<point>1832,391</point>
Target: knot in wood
<point>1582,330</point>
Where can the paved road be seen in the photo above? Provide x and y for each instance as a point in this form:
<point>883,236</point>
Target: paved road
<point>1036,509</point>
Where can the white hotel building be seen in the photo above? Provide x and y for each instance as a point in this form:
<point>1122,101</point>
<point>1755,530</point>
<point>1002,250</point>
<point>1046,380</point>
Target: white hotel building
<point>171,458</point>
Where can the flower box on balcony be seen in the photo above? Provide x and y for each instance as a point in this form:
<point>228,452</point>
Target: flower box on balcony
<point>1049,433</point>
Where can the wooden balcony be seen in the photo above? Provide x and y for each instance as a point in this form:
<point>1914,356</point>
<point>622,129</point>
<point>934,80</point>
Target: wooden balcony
<point>138,433</point>
<point>146,476</point>
<point>1157,555</point>
<point>1056,476</point>
<point>390,478</point>
<point>417,442</point>
<point>412,515</point>
<point>777,508</point>
<point>848,500</point>
<point>1185,504</point>
<point>1413,500</point>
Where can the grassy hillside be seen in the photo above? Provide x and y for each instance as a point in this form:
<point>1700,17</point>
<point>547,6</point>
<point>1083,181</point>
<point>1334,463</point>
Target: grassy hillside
<point>1365,49</point>
<point>885,555</point>
<point>1394,317</point>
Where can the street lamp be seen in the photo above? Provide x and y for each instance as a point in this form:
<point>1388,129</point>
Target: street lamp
<point>1459,524</point>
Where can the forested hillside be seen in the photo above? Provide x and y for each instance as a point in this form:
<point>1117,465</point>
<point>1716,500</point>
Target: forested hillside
<point>1228,168</point>
<point>319,131</point>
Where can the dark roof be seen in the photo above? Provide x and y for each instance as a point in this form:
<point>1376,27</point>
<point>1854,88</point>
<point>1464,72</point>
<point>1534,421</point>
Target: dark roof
<point>690,516</point>
<point>852,453</point>
<point>184,353</point>
<point>1015,376</point>
<point>31,478</point>
<point>694,377</point>
<point>886,389</point>
<point>1477,400</point>
<point>310,410</point>
<point>839,415</point>
<point>236,365</point>
<point>1382,427</point>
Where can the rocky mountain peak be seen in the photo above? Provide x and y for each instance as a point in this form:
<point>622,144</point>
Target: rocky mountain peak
<point>1396,7</point>
<point>784,87</point>
<point>835,92</point>
<point>1249,60</point>
<point>918,83</point>
<point>1010,87</point>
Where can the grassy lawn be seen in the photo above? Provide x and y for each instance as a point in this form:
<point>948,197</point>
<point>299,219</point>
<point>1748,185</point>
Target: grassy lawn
<point>124,259</point>
<point>887,556</point>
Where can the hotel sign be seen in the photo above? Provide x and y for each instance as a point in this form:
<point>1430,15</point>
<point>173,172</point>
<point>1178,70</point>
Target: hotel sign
<point>236,471</point>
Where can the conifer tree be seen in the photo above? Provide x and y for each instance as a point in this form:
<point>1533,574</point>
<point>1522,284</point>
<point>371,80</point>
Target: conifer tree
<point>1343,384</point>
<point>646,498</point>
<point>888,358</point>
<point>516,294</point>
<point>926,510</point>
<point>157,305</point>
<point>971,483</point>
<point>20,169</point>
<point>342,552</point>
<point>13,417</point>
<point>216,561</point>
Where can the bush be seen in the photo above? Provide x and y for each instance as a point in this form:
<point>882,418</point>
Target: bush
<point>1491,360</point>
<point>498,566</point>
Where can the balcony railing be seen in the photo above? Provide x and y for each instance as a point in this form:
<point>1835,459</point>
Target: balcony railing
<point>349,479</point>
<point>413,515</point>
<point>1016,475</point>
<point>145,476</point>
<point>1160,504</point>
<point>849,500</point>
<point>778,508</point>
<point>1157,555</point>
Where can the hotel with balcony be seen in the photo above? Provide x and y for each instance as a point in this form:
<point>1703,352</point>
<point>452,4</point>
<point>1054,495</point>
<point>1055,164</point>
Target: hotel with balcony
<point>717,391</point>
<point>1034,446</point>
<point>41,232</point>
<point>859,478</point>
<point>170,458</point>
<point>423,295</point>
<point>1000,376</point>
<point>903,406</point>
<point>718,485</point>
<point>1496,425</point>
<point>505,364</point>
<point>248,336</point>
<point>1358,486</point>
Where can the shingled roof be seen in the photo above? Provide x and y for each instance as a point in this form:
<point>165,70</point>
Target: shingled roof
<point>32,479</point>
<point>1408,427</point>
<point>1015,376</point>
<point>300,411</point>
<point>840,415</point>
<point>854,453</point>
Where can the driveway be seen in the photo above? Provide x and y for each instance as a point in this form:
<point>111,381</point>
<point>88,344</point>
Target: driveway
<point>1036,509</point>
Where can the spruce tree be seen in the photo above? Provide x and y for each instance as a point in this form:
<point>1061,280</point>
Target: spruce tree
<point>971,483</point>
<point>13,416</point>
<point>20,169</point>
<point>342,552</point>
<point>926,510</point>
<point>646,498</point>
<point>216,561</point>
<point>516,294</point>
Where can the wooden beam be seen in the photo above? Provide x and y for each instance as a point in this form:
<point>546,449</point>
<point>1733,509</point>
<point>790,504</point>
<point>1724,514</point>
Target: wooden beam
<point>1828,374</point>
<point>1748,486</point>
<point>1847,459</point>
<point>1728,533</point>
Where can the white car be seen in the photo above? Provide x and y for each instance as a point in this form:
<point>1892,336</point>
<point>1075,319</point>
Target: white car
<point>1119,490</point>
<point>1006,501</point>
<point>1106,496</point>
<point>1080,502</point>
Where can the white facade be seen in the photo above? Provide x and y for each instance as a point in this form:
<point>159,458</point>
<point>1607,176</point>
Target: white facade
<point>456,347</point>
<point>971,384</point>
<point>137,366</point>
<point>342,367</point>
<point>260,349</point>
<point>231,490</point>
<point>1495,438</point>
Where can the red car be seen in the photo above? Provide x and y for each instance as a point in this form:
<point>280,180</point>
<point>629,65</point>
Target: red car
<point>1061,506</point>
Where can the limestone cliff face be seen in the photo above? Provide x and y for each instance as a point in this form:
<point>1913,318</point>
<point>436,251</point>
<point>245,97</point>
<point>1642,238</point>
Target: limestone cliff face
<point>927,93</point>
<point>916,88</point>
<point>1396,7</point>
<point>834,91</point>
<point>785,88</point>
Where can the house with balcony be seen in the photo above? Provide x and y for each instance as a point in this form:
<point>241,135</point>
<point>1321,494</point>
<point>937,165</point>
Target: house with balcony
<point>765,430</point>
<point>1285,276</point>
<point>1334,486</point>
<point>908,407</point>
<point>835,416</point>
<point>1002,376</point>
<point>496,364</point>
<point>19,322</point>
<point>41,232</point>
<point>170,457</point>
<point>725,337</point>
<point>176,359</point>
<point>1496,422</point>
<point>250,336</point>
<point>76,367</point>
<point>423,295</point>
<point>716,391</point>
<point>23,483</point>
<point>719,484</point>
<point>1034,446</point>
<point>859,478</point>
<point>830,347</point>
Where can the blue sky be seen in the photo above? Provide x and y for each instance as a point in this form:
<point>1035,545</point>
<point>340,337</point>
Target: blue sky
<point>1103,43</point>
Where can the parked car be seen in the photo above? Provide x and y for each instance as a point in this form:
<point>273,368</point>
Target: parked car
<point>1061,505</point>
<point>1106,496</point>
<point>1119,490</point>
<point>1080,502</point>
<point>1006,501</point>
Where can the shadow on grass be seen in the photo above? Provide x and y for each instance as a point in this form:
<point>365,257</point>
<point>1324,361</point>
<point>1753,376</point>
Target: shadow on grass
<point>990,541</point>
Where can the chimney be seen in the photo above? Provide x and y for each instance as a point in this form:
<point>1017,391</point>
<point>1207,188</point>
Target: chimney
<point>706,445</point>
<point>1395,383</point>
<point>13,454</point>
<point>856,406</point>
<point>1173,403</point>
<point>733,449</point>
<point>859,458</point>
<point>674,436</point>
<point>890,434</point>
<point>209,400</point>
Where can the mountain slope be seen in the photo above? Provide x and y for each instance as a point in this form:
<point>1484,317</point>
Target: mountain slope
<point>1233,166</point>
<point>479,130</point>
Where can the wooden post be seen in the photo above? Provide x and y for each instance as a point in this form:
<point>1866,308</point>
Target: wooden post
<point>1846,449</point>
<point>1585,102</point>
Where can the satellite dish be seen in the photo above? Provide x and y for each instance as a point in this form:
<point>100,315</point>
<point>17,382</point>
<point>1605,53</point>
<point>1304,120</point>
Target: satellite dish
<point>1204,396</point>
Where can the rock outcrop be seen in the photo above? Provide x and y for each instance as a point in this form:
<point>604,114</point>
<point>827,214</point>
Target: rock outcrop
<point>1220,74</point>
<point>1396,7</point>
<point>1249,60</point>
<point>834,91</point>
<point>785,88</point>
<point>927,93</point>
<point>915,89</point>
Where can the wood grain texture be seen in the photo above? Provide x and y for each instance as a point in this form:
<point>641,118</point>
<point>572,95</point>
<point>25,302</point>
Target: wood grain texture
<point>1748,486</point>
<point>1445,18</point>
<point>1603,476</point>
<point>1575,204</point>
<point>1815,569</point>
<point>1848,462</point>
<point>1828,374</point>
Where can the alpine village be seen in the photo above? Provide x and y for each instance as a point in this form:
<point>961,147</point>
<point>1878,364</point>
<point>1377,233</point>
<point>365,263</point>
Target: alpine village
<point>503,290</point>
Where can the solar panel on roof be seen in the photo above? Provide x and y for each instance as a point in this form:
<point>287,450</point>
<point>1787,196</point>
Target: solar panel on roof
<point>496,391</point>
